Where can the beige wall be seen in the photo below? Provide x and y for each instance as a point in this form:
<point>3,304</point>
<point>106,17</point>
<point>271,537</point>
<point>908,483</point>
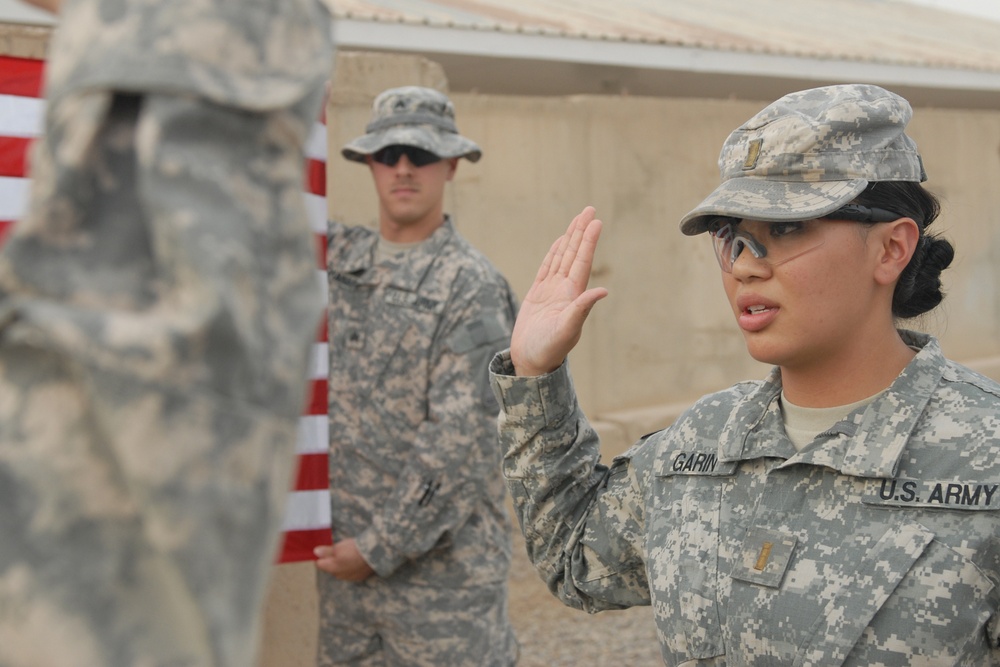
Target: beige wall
<point>24,41</point>
<point>665,335</point>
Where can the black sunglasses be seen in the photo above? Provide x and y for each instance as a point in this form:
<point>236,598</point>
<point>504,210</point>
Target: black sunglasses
<point>418,157</point>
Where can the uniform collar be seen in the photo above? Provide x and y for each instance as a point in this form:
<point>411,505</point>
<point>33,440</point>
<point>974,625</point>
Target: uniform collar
<point>405,273</point>
<point>869,443</point>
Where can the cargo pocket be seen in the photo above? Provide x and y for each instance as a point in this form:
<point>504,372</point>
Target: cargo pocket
<point>683,562</point>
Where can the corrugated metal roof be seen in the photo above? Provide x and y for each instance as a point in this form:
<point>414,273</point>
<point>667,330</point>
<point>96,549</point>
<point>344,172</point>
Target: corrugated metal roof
<point>876,31</point>
<point>749,49</point>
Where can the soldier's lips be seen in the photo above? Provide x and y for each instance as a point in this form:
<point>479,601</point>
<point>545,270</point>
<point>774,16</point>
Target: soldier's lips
<point>756,320</point>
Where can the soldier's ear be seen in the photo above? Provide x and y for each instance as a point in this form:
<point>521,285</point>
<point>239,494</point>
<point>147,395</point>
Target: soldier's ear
<point>897,242</point>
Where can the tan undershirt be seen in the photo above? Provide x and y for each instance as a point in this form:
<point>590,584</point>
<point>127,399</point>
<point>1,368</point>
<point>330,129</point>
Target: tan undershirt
<point>803,424</point>
<point>388,249</point>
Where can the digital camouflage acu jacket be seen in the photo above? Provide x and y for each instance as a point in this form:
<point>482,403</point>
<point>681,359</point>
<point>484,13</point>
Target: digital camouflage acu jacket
<point>158,305</point>
<point>876,544</point>
<point>414,469</point>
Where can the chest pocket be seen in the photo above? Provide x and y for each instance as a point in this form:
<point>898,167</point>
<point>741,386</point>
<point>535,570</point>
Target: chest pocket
<point>908,586</point>
<point>852,584</point>
<point>380,333</point>
<point>683,527</point>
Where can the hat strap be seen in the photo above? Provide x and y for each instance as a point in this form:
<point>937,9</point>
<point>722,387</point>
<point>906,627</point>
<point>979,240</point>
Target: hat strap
<point>412,119</point>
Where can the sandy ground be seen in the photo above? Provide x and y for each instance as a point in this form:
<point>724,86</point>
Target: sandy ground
<point>553,635</point>
<point>550,633</point>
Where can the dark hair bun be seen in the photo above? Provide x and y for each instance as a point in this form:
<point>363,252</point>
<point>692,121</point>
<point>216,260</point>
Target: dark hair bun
<point>919,289</point>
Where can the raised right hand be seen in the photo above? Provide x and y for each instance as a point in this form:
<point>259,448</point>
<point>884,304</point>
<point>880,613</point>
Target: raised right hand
<point>551,317</point>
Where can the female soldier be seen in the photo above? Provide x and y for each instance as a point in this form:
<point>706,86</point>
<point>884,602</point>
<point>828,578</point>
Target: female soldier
<point>841,512</point>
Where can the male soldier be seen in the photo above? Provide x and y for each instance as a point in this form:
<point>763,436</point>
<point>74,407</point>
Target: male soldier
<point>157,306</point>
<point>418,570</point>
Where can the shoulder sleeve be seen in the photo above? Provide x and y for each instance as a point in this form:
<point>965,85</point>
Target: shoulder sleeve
<point>582,522</point>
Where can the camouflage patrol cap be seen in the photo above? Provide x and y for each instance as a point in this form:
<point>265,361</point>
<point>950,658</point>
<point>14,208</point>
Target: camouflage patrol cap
<point>412,116</point>
<point>809,153</point>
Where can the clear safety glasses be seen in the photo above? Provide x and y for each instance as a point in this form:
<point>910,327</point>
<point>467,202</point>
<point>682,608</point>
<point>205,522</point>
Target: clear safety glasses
<point>783,241</point>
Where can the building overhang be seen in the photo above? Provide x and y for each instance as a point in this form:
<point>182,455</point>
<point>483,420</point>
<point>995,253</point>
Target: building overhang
<point>501,62</point>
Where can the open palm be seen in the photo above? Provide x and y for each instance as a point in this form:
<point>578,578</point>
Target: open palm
<point>551,317</point>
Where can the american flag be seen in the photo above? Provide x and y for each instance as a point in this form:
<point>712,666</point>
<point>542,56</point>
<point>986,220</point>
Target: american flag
<point>307,516</point>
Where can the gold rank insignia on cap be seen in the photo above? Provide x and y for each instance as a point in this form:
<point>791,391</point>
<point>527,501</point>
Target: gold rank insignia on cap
<point>753,154</point>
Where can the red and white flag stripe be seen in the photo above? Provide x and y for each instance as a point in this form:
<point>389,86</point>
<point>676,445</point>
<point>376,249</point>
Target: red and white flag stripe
<point>307,513</point>
<point>21,113</point>
<point>307,517</point>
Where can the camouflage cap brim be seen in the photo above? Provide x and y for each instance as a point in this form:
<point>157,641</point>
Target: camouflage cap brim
<point>428,137</point>
<point>771,201</point>
<point>809,153</point>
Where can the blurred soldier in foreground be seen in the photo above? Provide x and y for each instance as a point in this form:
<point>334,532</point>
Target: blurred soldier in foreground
<point>157,306</point>
<point>417,575</point>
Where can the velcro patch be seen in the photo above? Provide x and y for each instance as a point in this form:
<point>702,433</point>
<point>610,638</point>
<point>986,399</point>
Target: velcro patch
<point>398,297</point>
<point>693,463</point>
<point>933,494</point>
<point>476,333</point>
<point>764,557</point>
<point>345,278</point>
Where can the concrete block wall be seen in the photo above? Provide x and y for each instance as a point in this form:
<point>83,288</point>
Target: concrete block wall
<point>24,41</point>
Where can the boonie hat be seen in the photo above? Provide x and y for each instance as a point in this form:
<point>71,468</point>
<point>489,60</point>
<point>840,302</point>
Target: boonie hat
<point>412,116</point>
<point>809,153</point>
